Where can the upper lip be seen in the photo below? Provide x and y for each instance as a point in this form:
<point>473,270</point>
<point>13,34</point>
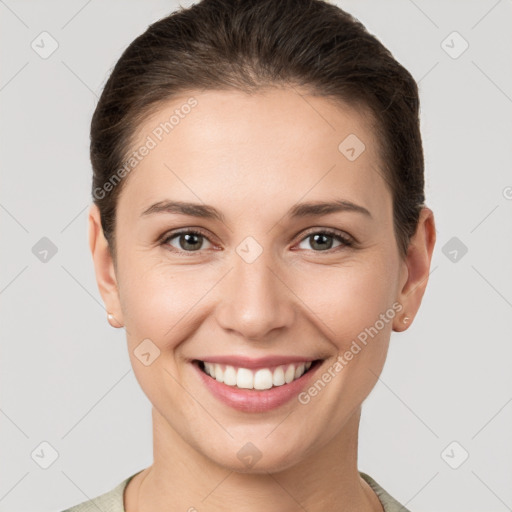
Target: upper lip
<point>260,362</point>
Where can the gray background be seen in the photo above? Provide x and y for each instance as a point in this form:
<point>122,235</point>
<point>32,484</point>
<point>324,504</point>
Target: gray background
<point>65,374</point>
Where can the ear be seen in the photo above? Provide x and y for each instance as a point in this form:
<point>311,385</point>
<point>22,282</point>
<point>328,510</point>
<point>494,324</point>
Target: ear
<point>104,268</point>
<point>416,268</point>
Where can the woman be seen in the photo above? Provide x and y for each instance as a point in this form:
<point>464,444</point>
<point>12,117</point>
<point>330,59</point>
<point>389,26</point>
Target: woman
<point>259,230</point>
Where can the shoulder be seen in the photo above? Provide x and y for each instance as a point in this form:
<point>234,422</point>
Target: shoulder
<point>111,501</point>
<point>389,504</point>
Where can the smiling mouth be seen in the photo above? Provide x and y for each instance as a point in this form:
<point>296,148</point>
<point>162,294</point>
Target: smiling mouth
<point>259,379</point>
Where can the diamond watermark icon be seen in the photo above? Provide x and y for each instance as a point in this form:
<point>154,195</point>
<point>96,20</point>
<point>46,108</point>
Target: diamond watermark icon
<point>351,147</point>
<point>454,249</point>
<point>44,45</point>
<point>44,250</point>
<point>249,455</point>
<point>454,45</point>
<point>249,250</point>
<point>146,352</point>
<point>454,455</point>
<point>44,455</point>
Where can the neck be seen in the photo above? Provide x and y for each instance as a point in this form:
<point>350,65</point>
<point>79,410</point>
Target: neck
<point>182,479</point>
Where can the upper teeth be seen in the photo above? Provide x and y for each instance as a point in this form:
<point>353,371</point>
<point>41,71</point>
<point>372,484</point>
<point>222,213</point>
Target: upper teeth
<point>264,378</point>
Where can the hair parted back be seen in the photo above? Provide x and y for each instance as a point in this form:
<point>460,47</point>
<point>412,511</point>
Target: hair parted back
<point>250,45</point>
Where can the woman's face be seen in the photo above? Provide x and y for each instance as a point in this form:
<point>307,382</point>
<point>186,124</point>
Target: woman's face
<point>268,282</point>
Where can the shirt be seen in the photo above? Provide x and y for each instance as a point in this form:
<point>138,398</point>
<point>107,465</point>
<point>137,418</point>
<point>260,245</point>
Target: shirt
<point>112,501</point>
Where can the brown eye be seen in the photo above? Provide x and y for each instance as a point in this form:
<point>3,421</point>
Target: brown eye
<point>186,241</point>
<point>321,241</point>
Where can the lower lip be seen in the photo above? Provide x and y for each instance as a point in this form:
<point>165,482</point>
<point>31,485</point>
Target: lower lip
<point>251,400</point>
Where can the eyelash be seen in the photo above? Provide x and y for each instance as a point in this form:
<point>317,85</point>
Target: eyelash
<point>344,239</point>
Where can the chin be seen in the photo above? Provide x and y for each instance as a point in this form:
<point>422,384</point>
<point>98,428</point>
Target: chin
<point>253,458</point>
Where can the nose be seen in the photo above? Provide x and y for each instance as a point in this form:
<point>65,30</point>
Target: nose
<point>255,301</point>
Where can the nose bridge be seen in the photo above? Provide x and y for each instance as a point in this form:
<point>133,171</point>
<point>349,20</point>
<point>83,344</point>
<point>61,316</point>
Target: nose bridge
<point>254,300</point>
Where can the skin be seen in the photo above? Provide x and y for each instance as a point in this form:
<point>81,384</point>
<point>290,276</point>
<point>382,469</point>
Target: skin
<point>243,155</point>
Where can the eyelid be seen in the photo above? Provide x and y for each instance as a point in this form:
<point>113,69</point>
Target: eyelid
<point>330,231</point>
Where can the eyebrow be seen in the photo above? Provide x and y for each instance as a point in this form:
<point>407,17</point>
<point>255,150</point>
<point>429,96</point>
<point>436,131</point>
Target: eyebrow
<point>310,209</point>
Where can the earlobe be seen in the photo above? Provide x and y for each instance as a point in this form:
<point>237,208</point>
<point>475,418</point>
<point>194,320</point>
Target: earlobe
<point>418,259</point>
<point>104,268</point>
<point>113,321</point>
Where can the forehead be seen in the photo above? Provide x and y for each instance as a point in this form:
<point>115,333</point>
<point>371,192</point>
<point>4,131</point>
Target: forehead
<point>270,147</point>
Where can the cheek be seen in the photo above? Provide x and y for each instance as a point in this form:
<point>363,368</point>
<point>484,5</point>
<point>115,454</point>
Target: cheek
<point>350,298</point>
<point>159,304</point>
<point>159,301</point>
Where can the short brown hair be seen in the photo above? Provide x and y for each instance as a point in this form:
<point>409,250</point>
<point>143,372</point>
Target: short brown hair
<point>249,45</point>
